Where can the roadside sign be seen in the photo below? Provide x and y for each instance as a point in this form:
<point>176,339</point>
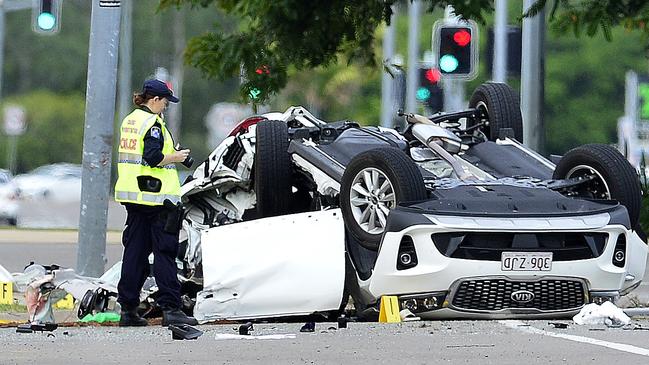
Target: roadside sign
<point>14,120</point>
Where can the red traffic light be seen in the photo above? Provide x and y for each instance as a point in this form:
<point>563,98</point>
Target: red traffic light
<point>433,75</point>
<point>263,70</point>
<point>462,37</point>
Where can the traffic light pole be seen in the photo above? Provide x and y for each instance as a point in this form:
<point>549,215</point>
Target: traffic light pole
<point>414,15</point>
<point>499,72</point>
<point>386,79</point>
<point>532,80</point>
<point>98,136</point>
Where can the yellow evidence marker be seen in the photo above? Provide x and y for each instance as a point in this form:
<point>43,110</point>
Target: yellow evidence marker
<point>6,293</point>
<point>66,303</point>
<point>389,310</point>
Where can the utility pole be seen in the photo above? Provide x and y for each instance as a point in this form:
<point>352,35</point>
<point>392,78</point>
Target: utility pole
<point>125,64</point>
<point>499,73</point>
<point>386,80</point>
<point>98,136</point>
<point>177,72</point>
<point>532,78</point>
<point>414,17</point>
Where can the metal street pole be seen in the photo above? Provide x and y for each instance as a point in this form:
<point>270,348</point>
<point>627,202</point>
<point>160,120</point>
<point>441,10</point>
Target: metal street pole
<point>532,79</point>
<point>499,73</point>
<point>2,42</point>
<point>386,79</point>
<point>98,136</point>
<point>125,65</point>
<point>414,15</point>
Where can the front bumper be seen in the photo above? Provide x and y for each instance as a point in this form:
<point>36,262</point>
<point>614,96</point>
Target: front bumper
<point>575,282</point>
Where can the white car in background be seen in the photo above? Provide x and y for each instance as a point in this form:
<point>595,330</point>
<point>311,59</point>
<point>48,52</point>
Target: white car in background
<point>58,182</point>
<point>8,198</point>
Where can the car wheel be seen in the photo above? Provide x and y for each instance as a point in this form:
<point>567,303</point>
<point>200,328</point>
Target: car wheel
<point>612,175</point>
<point>12,221</point>
<point>373,183</point>
<point>272,173</point>
<point>499,107</point>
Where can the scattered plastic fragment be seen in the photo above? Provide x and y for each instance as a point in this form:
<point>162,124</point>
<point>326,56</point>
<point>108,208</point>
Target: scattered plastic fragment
<point>33,327</point>
<point>308,327</point>
<point>245,329</point>
<point>227,336</point>
<point>342,322</point>
<point>607,314</point>
<point>558,324</point>
<point>101,317</point>
<point>407,316</point>
<point>184,332</point>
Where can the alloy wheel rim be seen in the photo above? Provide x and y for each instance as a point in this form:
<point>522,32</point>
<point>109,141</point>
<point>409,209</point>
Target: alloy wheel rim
<point>371,198</point>
<point>598,188</point>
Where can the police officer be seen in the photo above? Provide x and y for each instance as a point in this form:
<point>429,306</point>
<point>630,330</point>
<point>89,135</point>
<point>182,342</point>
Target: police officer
<point>147,178</point>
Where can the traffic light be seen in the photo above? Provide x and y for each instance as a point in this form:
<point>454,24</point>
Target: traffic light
<point>46,16</point>
<point>429,91</point>
<point>456,49</point>
<point>257,80</point>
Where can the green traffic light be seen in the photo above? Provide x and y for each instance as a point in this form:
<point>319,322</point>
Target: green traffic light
<point>46,21</point>
<point>423,94</point>
<point>448,63</point>
<point>254,93</point>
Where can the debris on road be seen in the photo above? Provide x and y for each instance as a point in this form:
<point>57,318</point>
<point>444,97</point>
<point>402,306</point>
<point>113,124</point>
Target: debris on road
<point>227,336</point>
<point>558,324</point>
<point>184,332</point>
<point>607,313</point>
<point>245,329</point>
<point>308,327</point>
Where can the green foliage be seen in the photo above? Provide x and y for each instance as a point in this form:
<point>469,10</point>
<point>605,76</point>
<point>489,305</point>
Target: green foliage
<point>54,128</point>
<point>591,16</point>
<point>295,35</point>
<point>584,87</point>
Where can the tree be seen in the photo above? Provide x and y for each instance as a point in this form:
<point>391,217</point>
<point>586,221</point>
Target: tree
<point>298,34</point>
<point>293,34</point>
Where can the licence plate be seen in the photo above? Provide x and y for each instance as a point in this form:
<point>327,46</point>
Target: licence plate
<point>526,261</point>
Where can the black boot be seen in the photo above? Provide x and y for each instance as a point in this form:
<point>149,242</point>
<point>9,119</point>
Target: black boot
<point>130,318</point>
<point>176,316</point>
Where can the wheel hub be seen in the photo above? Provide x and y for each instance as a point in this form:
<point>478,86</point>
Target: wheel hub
<point>371,198</point>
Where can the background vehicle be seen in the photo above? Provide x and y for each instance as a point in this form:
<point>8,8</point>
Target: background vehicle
<point>8,198</point>
<point>454,215</point>
<point>59,182</point>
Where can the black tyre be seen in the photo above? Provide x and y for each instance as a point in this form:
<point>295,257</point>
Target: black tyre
<point>272,172</point>
<point>499,107</point>
<point>373,183</point>
<point>613,176</point>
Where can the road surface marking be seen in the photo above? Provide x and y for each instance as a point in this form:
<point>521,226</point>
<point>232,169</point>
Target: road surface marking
<point>523,327</point>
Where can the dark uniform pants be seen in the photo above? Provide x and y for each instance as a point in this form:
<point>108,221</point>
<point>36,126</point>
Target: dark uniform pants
<point>144,233</point>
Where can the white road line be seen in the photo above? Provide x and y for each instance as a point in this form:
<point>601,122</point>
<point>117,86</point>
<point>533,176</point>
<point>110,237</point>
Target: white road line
<point>523,327</point>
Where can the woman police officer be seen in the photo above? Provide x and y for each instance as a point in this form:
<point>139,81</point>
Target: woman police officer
<point>147,181</point>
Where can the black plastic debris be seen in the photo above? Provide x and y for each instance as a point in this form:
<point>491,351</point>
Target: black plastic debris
<point>342,322</point>
<point>308,327</point>
<point>245,329</point>
<point>184,332</point>
<point>33,327</point>
<point>558,324</point>
<point>24,328</point>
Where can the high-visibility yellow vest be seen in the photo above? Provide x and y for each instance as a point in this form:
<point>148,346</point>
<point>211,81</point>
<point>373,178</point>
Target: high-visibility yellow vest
<point>131,165</point>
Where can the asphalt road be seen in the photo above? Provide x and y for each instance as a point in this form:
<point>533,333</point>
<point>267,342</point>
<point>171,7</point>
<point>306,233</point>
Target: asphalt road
<point>448,342</point>
<point>473,342</point>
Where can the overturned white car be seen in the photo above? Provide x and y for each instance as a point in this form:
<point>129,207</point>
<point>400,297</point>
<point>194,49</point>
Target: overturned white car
<point>290,215</point>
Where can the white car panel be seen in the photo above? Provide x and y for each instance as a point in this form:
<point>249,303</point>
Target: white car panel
<point>273,267</point>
